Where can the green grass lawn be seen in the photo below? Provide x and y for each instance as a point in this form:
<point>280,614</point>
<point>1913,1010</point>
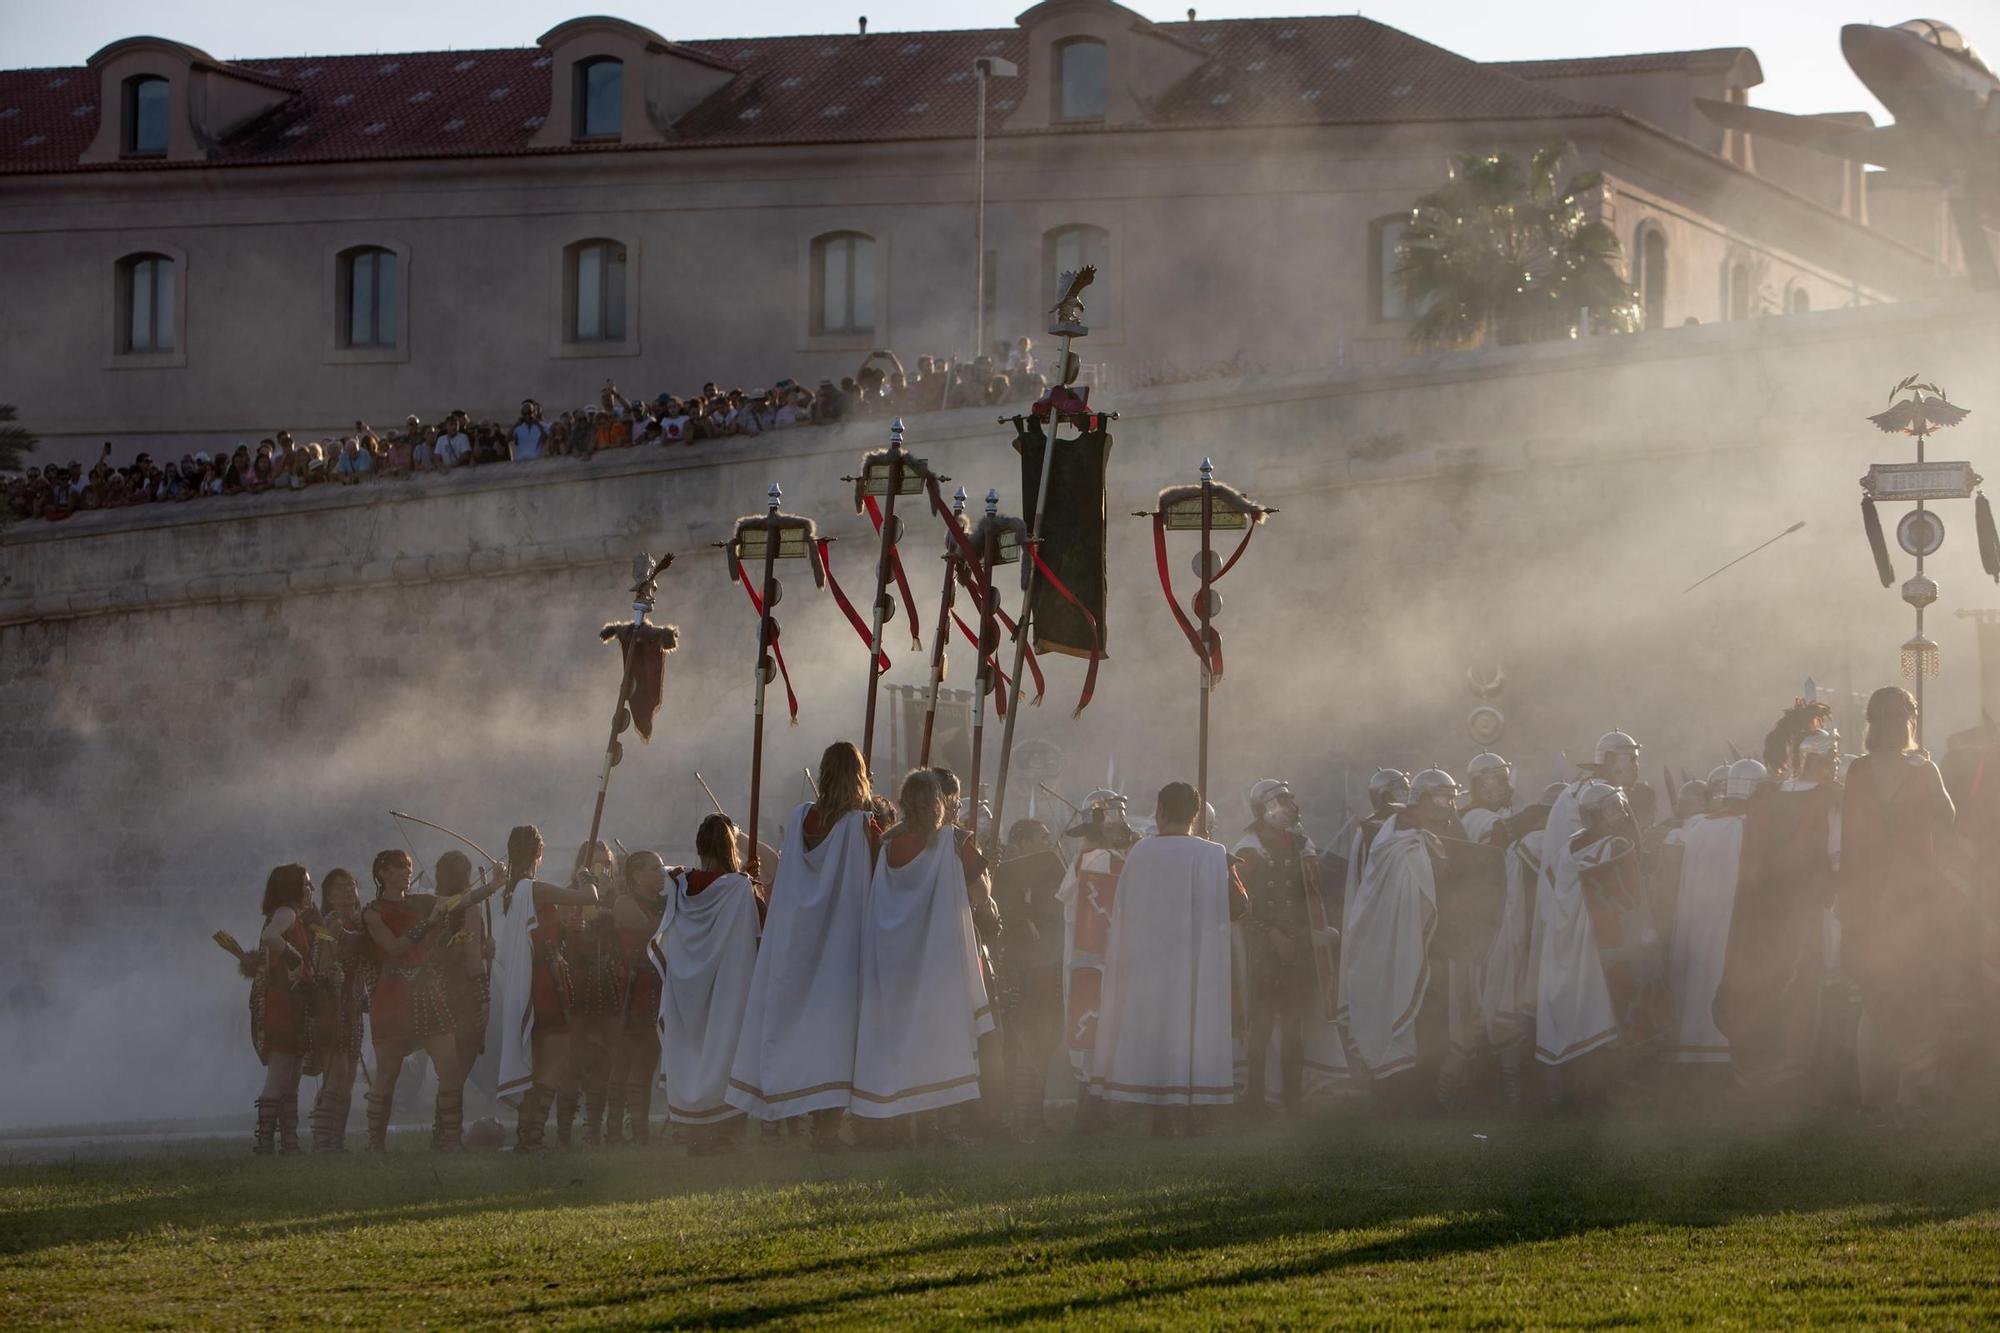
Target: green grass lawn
<point>1337,1219</point>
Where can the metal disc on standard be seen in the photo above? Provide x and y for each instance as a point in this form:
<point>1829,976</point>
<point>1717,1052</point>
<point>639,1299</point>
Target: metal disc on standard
<point>1920,533</point>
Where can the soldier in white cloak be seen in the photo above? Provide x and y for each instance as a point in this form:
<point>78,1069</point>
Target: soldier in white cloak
<point>1573,1009</point>
<point>1489,781</point>
<point>1388,792</point>
<point>1396,1015</point>
<point>1711,864</point>
<point>1164,1028</point>
<point>705,952</point>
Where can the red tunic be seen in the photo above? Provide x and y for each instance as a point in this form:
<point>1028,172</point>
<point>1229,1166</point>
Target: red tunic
<point>408,1006</point>
<point>642,990</point>
<point>552,990</point>
<point>287,1019</point>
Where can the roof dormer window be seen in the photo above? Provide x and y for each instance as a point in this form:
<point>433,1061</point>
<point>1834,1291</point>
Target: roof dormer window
<point>145,114</point>
<point>1081,84</point>
<point>600,98</point>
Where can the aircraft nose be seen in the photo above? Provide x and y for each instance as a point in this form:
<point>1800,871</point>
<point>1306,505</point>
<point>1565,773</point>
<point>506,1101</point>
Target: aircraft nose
<point>1882,56</point>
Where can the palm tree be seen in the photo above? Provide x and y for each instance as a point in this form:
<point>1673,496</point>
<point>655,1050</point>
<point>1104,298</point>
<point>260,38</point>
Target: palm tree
<point>14,440</point>
<point>1501,253</point>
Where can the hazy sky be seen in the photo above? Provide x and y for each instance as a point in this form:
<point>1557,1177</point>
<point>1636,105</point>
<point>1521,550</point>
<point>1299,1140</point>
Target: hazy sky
<point>1797,41</point>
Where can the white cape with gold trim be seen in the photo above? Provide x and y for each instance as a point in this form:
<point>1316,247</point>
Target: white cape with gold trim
<point>514,993</point>
<point>796,1053</point>
<point>1163,1029</point>
<point>705,952</point>
<point>923,1000</point>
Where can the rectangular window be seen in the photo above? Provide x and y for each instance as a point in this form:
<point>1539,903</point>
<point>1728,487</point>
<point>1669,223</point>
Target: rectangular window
<point>146,118</point>
<point>598,292</point>
<point>371,299</point>
<point>1390,303</point>
<point>1083,81</point>
<point>149,305</point>
<point>601,98</point>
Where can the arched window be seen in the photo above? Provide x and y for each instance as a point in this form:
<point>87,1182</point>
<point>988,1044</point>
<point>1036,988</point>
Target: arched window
<point>1385,238</point>
<point>594,291</point>
<point>1738,284</point>
<point>843,283</point>
<point>1649,250</point>
<point>1800,301</point>
<point>146,315</point>
<point>599,111</point>
<point>367,297</point>
<point>145,113</point>
<point>1066,249</point>
<point>1081,84</point>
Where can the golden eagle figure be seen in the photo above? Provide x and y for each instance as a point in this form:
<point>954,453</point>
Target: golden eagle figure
<point>1925,410</point>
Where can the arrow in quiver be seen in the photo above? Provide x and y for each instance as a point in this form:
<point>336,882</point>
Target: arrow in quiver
<point>1067,604</point>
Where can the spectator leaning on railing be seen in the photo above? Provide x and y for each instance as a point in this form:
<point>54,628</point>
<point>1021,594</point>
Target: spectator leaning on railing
<point>880,386</point>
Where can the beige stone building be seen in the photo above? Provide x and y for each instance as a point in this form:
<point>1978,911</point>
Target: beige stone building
<point>196,250</point>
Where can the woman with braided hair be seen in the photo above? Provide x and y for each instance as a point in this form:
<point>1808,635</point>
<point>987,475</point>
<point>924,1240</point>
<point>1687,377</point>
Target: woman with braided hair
<point>281,1005</point>
<point>597,981</point>
<point>340,957</point>
<point>536,1025</point>
<point>408,1010</point>
<point>635,1054</point>
<point>462,958</point>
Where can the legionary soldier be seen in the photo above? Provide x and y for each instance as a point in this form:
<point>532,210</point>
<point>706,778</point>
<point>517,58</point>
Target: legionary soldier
<point>1489,798</point>
<point>1287,939</point>
<point>1712,865</point>
<point>1388,792</point>
<point>1605,856</point>
<point>1396,1017</point>
<point>1088,894</point>
<point>1768,1001</point>
<point>1574,1013</point>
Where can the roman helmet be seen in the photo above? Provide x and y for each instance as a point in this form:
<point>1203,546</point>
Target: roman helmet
<point>1434,784</point>
<point>1745,776</point>
<point>1600,803</point>
<point>1268,792</point>
<point>1490,777</point>
<point>1388,787</point>
<point>1101,810</point>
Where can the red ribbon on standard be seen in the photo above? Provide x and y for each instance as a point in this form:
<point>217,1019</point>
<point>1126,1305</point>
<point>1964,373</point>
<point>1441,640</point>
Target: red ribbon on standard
<point>821,553</point>
<point>896,567</point>
<point>777,653</point>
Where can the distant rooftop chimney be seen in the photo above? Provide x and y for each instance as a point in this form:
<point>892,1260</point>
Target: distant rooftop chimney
<point>1190,16</point>
<point>864,25</point>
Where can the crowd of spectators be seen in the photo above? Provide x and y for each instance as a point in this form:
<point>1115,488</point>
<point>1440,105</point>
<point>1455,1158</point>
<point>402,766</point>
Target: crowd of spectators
<point>881,386</point>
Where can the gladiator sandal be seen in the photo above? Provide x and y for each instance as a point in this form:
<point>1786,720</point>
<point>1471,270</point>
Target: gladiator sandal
<point>288,1124</point>
<point>616,1095</point>
<point>267,1126</point>
<point>533,1119</point>
<point>593,1109</point>
<point>448,1121</point>
<point>329,1120</point>
<point>378,1122</point>
<point>639,1103</point>
<point>565,1116</point>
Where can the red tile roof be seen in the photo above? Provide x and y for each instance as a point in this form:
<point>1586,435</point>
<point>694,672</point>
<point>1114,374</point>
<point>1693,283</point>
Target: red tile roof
<point>792,90</point>
<point>1647,62</point>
